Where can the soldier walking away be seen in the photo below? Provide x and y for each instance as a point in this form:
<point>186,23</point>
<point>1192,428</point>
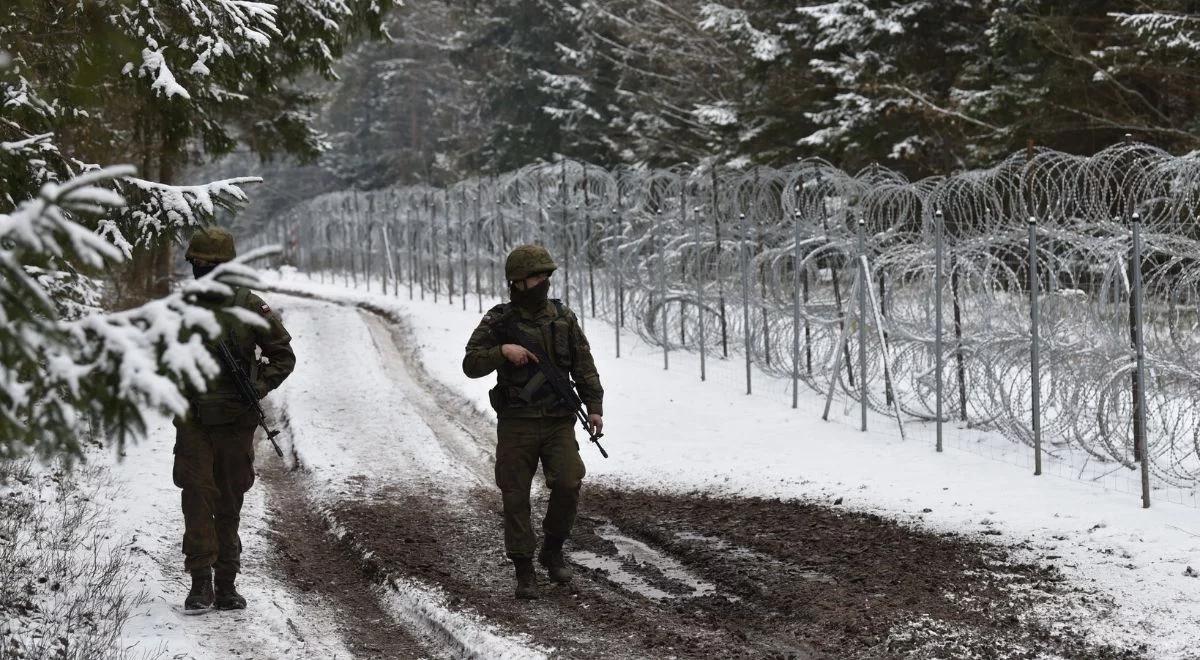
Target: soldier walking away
<point>533,423</point>
<point>214,442</point>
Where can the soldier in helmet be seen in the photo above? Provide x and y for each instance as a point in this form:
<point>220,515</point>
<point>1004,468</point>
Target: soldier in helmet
<point>533,424</point>
<point>214,441</point>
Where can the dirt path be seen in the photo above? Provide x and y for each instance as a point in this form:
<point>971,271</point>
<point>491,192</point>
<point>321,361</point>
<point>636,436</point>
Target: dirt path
<point>319,568</point>
<point>672,576</point>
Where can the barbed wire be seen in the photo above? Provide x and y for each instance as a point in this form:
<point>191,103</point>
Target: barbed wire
<point>762,262</point>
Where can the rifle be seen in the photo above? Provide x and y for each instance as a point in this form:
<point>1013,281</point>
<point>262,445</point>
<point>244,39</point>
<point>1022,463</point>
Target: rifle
<point>563,387</point>
<point>246,389</point>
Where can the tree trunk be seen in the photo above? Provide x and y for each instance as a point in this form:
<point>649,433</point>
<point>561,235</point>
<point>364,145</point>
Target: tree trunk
<point>148,273</point>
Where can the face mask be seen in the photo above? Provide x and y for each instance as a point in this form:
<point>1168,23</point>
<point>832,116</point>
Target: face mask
<point>201,271</point>
<point>530,299</point>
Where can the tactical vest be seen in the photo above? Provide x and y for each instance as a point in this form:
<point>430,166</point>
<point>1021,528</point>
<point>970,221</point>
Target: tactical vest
<point>221,403</point>
<point>524,390</point>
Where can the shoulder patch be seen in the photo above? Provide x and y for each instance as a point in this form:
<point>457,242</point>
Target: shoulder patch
<point>494,314</point>
<point>265,309</point>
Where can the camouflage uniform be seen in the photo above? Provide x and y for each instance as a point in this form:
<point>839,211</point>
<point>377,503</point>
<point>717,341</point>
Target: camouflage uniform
<point>214,441</point>
<point>533,425</point>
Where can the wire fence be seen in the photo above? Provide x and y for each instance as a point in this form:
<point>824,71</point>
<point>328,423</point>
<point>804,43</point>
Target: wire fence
<point>1053,299</point>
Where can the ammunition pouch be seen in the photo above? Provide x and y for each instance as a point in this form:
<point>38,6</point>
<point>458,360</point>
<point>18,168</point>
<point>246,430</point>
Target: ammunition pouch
<point>539,396</point>
<point>498,398</point>
<point>527,388</point>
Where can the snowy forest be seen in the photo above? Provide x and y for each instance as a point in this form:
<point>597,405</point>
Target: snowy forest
<point>105,105</point>
<point>769,194</point>
<point>925,87</point>
<point>235,93</point>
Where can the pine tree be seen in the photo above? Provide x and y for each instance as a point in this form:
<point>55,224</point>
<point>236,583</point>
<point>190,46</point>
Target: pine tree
<point>155,82</point>
<point>1079,77</point>
<point>512,42</point>
<point>162,82</point>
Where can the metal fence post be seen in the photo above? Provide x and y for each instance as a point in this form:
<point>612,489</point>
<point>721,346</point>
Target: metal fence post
<point>449,249</point>
<point>696,220</point>
<point>938,285</point>
<point>864,280</point>
<point>1139,442</point>
<point>586,255</point>
<point>796,279</point>
<point>577,239</point>
<point>420,253</point>
<point>414,223</point>
<point>716,212</point>
<point>387,247</point>
<point>368,272</point>
<point>478,239</point>
<point>614,263</point>
<point>745,263</point>
<point>662,289</point>
<point>565,250</point>
<point>462,231</point>
<point>1035,347</point>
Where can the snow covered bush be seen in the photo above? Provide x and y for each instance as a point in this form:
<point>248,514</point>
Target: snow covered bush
<point>65,586</point>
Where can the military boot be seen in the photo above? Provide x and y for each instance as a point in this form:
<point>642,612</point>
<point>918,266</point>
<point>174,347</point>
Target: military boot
<point>526,581</point>
<point>552,558</point>
<point>201,595</point>
<point>227,596</point>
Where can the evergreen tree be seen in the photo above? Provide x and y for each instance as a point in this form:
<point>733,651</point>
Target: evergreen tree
<point>1079,77</point>
<point>157,83</point>
<point>514,43</point>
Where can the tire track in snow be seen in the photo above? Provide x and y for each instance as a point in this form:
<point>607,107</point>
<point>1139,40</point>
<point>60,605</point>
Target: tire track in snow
<point>419,609</point>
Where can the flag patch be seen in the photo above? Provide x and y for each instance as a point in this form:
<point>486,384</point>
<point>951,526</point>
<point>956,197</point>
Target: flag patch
<point>265,309</point>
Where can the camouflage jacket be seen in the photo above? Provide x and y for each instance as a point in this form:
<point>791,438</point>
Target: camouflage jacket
<point>550,328</point>
<point>221,403</point>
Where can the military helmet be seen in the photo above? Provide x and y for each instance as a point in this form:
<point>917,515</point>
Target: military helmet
<point>527,260</point>
<point>211,244</point>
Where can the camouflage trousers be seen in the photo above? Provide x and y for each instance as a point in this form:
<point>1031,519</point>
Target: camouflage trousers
<point>521,444</point>
<point>214,467</point>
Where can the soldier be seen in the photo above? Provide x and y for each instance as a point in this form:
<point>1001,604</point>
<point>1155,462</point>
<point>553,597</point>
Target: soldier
<point>214,442</point>
<point>532,424</point>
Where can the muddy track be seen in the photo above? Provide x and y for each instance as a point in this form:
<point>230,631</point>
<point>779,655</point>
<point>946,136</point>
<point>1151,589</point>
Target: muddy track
<point>679,576</point>
<point>321,568</point>
<point>856,585</point>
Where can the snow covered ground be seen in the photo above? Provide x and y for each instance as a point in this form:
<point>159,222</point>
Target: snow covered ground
<point>360,436</point>
<point>148,520</point>
<point>667,430</point>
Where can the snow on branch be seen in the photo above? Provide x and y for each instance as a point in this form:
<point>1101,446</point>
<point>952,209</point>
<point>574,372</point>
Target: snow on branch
<point>158,209</point>
<point>722,113</point>
<point>65,375</point>
<point>764,46</point>
<point>1164,30</point>
<point>224,29</point>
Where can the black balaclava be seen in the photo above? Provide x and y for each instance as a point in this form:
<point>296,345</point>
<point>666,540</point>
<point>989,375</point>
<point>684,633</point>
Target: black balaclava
<point>200,271</point>
<point>530,299</point>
